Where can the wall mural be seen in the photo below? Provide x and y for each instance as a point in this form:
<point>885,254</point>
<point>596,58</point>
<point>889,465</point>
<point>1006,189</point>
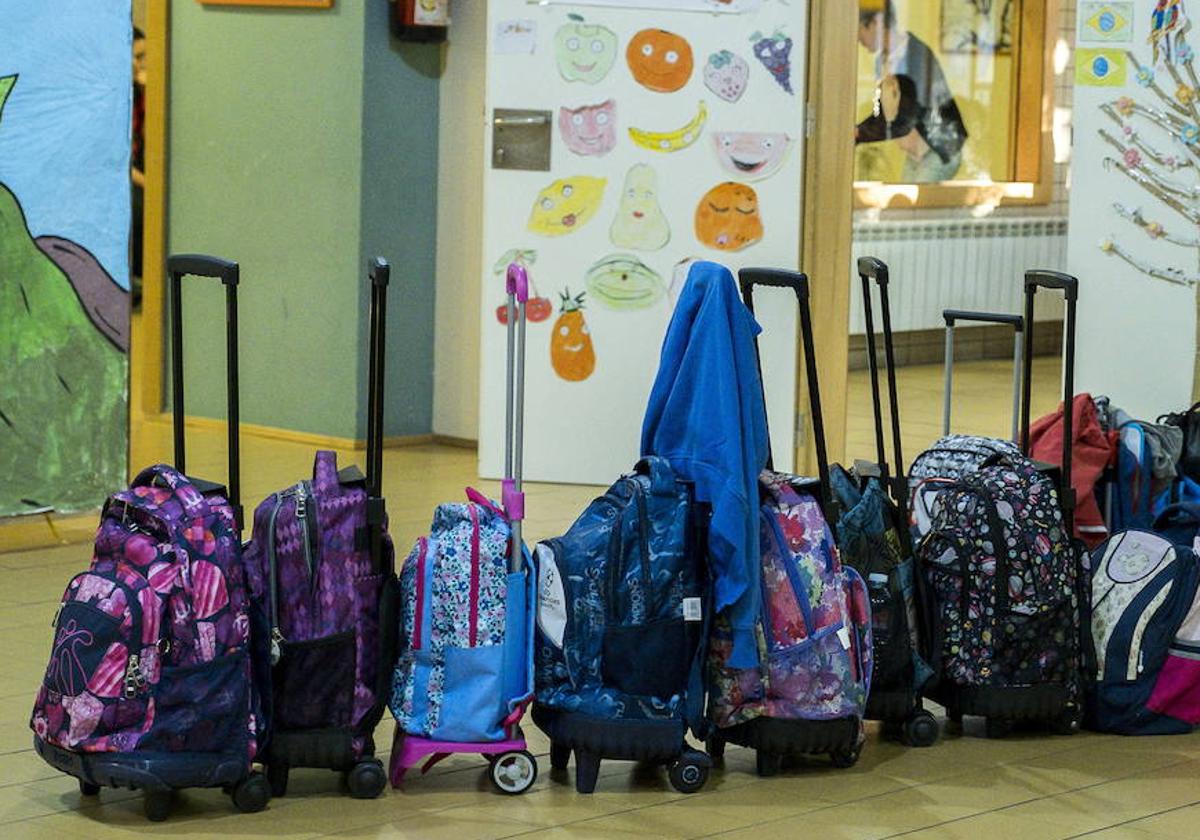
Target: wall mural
<point>65,92</point>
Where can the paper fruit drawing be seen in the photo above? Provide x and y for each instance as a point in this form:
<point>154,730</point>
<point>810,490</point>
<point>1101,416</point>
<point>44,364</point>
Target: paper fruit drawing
<point>537,308</point>
<point>589,129</point>
<point>640,222</point>
<point>623,282</point>
<point>674,140</point>
<point>659,60</point>
<point>64,335</point>
<point>726,74</point>
<point>751,155</point>
<point>585,52</point>
<point>572,354</point>
<point>566,205</point>
<point>775,53</point>
<point>727,217</point>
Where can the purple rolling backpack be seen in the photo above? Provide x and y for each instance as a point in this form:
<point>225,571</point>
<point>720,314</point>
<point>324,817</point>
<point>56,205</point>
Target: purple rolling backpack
<point>149,683</point>
<point>321,571</point>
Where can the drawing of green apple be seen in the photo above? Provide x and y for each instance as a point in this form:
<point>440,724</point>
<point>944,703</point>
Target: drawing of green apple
<point>585,51</point>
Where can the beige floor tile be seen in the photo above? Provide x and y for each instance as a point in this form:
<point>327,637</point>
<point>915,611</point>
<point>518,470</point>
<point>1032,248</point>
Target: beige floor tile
<point>1182,822</point>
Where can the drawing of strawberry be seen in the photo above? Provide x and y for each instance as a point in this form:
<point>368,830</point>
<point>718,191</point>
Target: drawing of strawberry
<point>775,53</point>
<point>726,75</point>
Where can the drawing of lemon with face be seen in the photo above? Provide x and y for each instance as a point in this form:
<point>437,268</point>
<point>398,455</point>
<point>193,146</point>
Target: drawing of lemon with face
<point>585,52</point>
<point>640,222</point>
<point>566,205</point>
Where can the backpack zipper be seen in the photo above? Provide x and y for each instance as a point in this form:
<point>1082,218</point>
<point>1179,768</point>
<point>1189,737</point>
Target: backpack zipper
<point>308,529</point>
<point>277,639</point>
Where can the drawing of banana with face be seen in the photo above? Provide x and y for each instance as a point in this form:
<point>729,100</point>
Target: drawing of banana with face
<point>672,141</point>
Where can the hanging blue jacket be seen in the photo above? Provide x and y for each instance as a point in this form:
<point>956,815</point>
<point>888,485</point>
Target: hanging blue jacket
<point>706,416</point>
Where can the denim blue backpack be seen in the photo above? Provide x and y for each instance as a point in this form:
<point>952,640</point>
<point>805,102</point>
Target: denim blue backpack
<point>1142,588</point>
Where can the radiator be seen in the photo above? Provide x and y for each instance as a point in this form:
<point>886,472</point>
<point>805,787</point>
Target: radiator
<point>958,263</point>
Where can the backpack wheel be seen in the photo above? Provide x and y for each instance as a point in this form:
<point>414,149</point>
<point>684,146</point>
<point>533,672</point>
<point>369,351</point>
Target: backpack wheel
<point>766,763</point>
<point>156,804</point>
<point>921,730</point>
<point>366,780</point>
<point>277,778</point>
<point>560,756</point>
<point>998,727</point>
<point>689,773</point>
<point>252,793</point>
<point>514,772</point>
<point>1067,723</point>
<point>843,759</point>
<point>88,789</point>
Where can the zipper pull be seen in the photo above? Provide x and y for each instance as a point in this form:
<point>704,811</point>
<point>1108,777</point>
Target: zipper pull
<point>301,505</point>
<point>133,677</point>
<point>57,613</point>
<point>277,642</point>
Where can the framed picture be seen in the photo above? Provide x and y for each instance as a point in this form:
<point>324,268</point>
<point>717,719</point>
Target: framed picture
<point>977,26</point>
<point>294,4</point>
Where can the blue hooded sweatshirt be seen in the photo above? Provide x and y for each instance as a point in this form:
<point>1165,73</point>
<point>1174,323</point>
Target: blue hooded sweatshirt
<point>707,417</point>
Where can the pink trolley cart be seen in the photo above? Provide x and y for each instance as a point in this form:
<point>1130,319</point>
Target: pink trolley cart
<point>512,768</point>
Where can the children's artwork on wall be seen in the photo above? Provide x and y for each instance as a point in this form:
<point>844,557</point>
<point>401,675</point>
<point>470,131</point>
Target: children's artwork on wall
<point>775,53</point>
<point>589,129</point>
<point>65,94</point>
<point>572,354</point>
<point>566,205</point>
<point>1100,67</point>
<point>969,26</point>
<point>727,217</point>
<point>537,308</point>
<point>1166,21</point>
<point>1106,22</point>
<point>728,7</point>
<point>515,37</point>
<point>726,74</point>
<point>640,222</point>
<point>675,139</point>
<point>623,282</point>
<point>751,155</point>
<point>585,52</point>
<point>660,61</point>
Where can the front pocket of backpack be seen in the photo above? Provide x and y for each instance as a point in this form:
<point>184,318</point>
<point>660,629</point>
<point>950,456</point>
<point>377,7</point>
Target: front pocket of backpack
<point>314,683</point>
<point>650,660</point>
<point>202,708</point>
<point>817,679</point>
<point>472,702</point>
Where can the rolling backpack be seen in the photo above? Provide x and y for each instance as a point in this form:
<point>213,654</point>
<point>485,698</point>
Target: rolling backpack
<point>1142,588</point>
<point>321,570</point>
<point>149,683</point>
<point>622,597</point>
<point>951,458</point>
<point>808,691</point>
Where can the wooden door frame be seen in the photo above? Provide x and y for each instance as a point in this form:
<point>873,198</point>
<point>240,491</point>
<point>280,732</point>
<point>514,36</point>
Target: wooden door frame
<point>827,219</point>
<point>146,345</point>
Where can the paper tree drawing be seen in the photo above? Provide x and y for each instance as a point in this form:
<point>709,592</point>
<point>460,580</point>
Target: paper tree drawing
<point>1154,141</point>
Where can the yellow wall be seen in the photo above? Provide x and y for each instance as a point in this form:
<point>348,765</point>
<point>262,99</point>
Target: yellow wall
<point>984,98</point>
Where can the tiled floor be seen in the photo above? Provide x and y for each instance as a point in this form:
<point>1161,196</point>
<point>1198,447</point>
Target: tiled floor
<point>1028,786</point>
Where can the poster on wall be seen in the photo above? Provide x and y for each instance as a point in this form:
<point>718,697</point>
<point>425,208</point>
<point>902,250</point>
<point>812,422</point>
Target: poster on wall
<point>727,7</point>
<point>65,117</point>
<point>673,136</point>
<point>1134,212</point>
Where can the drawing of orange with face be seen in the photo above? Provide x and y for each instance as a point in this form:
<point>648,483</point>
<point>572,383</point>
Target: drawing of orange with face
<point>659,60</point>
<point>727,217</point>
<point>571,352</point>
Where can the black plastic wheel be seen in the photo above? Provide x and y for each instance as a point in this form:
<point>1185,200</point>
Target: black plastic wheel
<point>252,793</point>
<point>514,772</point>
<point>277,778</point>
<point>88,789</point>
<point>766,763</point>
<point>688,775</point>
<point>366,780</point>
<point>844,759</point>
<point>560,756</point>
<point>995,727</point>
<point>157,805</point>
<point>921,730</point>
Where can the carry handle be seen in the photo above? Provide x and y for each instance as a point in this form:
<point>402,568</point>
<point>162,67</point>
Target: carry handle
<point>1069,286</point>
<point>516,283</point>
<point>777,278</point>
<point>228,273</point>
<point>1017,322</point>
<point>380,274</point>
<point>871,268</point>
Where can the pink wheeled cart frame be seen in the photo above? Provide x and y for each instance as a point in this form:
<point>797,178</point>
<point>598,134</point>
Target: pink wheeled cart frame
<point>513,769</point>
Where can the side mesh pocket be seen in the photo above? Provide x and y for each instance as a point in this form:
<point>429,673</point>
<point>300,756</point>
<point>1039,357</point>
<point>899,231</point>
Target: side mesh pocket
<point>314,683</point>
<point>202,708</point>
<point>651,660</point>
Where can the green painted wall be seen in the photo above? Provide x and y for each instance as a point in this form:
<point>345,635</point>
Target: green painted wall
<point>288,135</point>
